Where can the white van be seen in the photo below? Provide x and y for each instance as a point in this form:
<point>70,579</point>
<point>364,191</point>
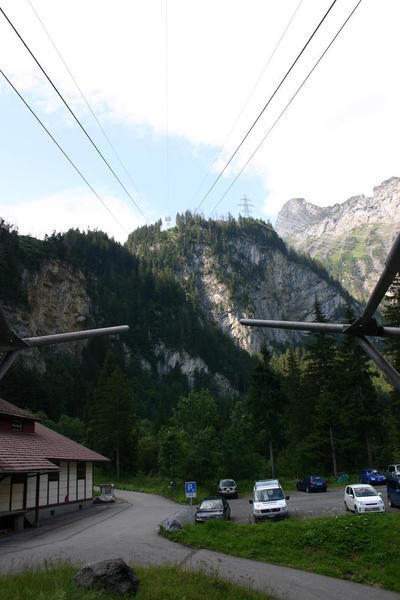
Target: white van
<point>268,501</point>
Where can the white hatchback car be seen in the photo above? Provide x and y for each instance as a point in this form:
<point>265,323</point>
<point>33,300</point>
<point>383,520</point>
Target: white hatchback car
<point>363,498</point>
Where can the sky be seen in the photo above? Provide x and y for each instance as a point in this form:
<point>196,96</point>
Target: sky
<point>167,79</point>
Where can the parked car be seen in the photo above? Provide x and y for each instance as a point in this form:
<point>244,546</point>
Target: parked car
<point>312,483</point>
<point>393,492</point>
<point>394,471</point>
<point>227,488</point>
<point>213,508</point>
<point>268,501</point>
<point>372,476</point>
<point>362,498</point>
<point>107,494</point>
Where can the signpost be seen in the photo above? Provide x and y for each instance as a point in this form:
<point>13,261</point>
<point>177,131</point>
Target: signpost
<point>190,489</point>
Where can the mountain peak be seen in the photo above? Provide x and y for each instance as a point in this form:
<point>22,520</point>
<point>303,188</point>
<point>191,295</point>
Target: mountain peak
<point>296,214</point>
<point>351,239</point>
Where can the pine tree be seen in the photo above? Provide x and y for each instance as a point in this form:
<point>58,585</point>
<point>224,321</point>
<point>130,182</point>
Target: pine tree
<point>298,420</point>
<point>266,404</point>
<point>320,386</point>
<point>111,418</point>
<point>239,452</point>
<point>359,404</point>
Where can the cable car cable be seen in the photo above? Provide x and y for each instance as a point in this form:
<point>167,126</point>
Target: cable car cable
<point>268,102</point>
<point>72,113</point>
<point>83,96</point>
<point>288,104</point>
<point>265,67</point>
<point>62,150</point>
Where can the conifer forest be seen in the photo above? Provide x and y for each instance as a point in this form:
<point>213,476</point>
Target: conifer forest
<point>316,405</point>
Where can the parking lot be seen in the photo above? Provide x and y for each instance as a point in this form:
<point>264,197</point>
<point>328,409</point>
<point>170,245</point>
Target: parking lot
<point>319,504</point>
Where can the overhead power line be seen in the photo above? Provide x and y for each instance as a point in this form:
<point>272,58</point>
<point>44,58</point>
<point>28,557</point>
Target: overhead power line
<point>62,150</point>
<point>261,75</point>
<point>268,102</point>
<point>288,104</point>
<point>71,112</point>
<point>90,108</point>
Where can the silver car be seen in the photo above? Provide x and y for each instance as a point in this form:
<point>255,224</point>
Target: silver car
<point>227,488</point>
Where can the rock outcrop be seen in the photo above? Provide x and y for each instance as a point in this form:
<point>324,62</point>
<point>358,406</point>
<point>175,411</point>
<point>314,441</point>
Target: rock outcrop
<point>57,301</point>
<point>168,359</point>
<point>351,239</point>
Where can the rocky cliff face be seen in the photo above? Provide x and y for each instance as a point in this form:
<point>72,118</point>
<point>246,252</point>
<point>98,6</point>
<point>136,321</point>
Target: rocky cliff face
<point>249,277</point>
<point>276,289</point>
<point>57,302</point>
<point>168,360</point>
<point>351,239</point>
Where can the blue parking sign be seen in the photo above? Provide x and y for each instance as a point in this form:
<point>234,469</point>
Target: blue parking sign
<point>190,489</point>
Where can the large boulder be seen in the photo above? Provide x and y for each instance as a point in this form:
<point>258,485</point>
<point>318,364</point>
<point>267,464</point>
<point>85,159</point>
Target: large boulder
<point>171,524</point>
<point>112,575</point>
<point>176,521</point>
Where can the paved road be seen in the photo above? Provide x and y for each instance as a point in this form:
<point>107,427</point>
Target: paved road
<point>302,505</point>
<point>129,529</point>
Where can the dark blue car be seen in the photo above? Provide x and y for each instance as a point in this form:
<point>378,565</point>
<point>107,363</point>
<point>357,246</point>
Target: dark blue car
<point>312,483</point>
<point>372,477</point>
<point>393,492</point>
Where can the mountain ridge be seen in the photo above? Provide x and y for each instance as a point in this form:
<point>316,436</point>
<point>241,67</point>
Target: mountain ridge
<point>351,239</point>
<point>241,269</point>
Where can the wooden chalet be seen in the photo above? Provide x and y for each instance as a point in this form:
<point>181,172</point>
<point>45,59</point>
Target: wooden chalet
<point>42,473</point>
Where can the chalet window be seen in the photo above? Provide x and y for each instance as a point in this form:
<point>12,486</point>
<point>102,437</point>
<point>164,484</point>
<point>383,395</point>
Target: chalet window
<point>81,470</point>
<point>17,426</point>
<point>55,476</point>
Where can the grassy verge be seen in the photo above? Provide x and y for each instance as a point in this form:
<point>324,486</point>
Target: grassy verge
<point>156,484</point>
<point>365,549</point>
<point>164,583</point>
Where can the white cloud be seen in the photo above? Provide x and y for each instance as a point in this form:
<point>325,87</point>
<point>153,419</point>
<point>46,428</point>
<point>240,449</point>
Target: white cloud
<point>66,209</point>
<point>340,136</point>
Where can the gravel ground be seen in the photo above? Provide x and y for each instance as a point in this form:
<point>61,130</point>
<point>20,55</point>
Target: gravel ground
<point>301,504</point>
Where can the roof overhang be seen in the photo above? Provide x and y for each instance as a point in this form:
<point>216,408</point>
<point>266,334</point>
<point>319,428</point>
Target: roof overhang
<point>6,472</point>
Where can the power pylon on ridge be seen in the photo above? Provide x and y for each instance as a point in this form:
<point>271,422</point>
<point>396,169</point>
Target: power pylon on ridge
<point>167,221</point>
<point>246,204</point>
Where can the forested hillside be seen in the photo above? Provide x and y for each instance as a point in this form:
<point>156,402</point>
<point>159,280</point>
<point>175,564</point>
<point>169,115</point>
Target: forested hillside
<point>171,347</point>
<point>177,395</point>
<point>241,268</point>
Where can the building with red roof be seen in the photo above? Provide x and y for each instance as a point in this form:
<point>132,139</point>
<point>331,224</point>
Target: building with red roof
<point>42,472</point>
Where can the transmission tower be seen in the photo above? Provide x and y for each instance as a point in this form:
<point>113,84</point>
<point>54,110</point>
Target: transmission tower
<point>246,204</point>
<point>167,221</point>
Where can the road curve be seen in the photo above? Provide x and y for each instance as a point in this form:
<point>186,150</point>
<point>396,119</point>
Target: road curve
<point>129,529</point>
